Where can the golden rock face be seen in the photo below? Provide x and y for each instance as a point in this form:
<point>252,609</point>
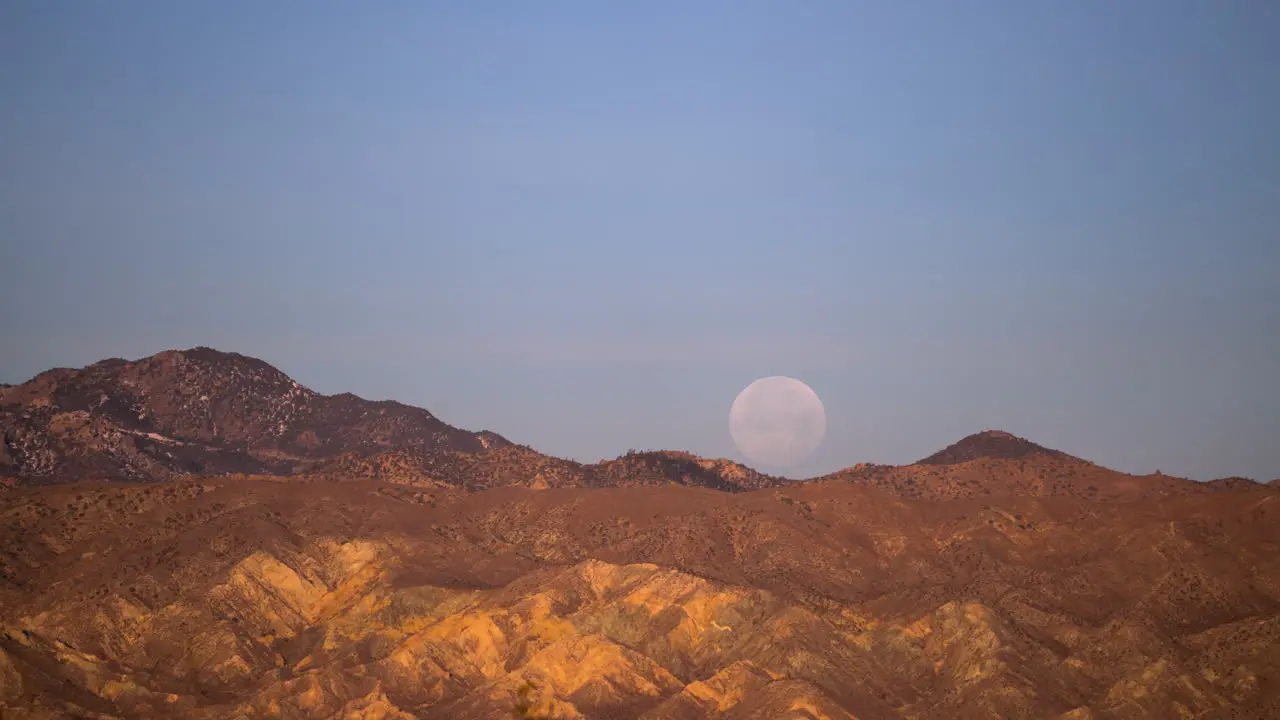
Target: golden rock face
<point>249,598</point>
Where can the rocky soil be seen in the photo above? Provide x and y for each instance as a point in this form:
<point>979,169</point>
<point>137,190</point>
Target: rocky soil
<point>196,535</point>
<point>202,412</point>
<point>266,597</point>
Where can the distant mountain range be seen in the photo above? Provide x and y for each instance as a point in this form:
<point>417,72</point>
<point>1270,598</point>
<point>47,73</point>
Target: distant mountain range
<point>202,412</point>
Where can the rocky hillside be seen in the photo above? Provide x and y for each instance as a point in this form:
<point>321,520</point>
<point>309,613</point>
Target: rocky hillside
<point>680,468</point>
<point>993,445</point>
<point>289,598</point>
<point>204,412</point>
<point>518,465</point>
<point>198,411</point>
<point>995,463</point>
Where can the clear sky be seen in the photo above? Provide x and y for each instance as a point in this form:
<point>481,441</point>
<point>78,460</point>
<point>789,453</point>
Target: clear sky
<point>588,225</point>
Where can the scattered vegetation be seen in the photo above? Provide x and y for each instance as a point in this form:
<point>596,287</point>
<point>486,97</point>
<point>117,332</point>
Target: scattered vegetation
<point>524,707</point>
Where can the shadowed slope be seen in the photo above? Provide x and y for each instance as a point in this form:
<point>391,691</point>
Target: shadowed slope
<point>202,411</point>
<point>996,463</point>
<point>521,466</point>
<point>205,412</point>
<point>991,444</point>
<point>198,411</point>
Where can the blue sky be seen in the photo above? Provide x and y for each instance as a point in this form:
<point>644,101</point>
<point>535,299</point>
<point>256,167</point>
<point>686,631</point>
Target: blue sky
<point>588,225</point>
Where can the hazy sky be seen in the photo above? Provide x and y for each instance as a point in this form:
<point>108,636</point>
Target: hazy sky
<point>588,225</point>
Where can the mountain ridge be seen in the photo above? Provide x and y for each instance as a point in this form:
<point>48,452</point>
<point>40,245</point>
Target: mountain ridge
<point>994,444</point>
<point>198,411</point>
<point>203,411</point>
<point>370,561</point>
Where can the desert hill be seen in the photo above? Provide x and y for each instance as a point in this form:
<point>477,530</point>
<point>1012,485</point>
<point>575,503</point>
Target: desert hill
<point>1235,483</point>
<point>991,444</point>
<point>303,598</point>
<point>292,555</point>
<point>519,465</point>
<point>202,412</point>
<point>198,411</point>
<point>997,463</point>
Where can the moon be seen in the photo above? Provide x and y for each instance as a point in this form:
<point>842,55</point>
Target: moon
<point>777,421</point>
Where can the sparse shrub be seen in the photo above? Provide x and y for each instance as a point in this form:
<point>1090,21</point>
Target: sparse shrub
<point>524,706</point>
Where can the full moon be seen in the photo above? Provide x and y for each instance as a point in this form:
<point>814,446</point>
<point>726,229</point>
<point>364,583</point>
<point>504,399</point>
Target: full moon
<point>777,421</point>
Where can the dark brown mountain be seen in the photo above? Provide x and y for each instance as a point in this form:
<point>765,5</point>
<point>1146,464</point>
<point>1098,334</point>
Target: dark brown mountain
<point>656,467</point>
<point>1234,483</point>
<point>989,444</point>
<point>996,463</point>
<point>1042,476</point>
<point>331,557</point>
<point>288,598</point>
<point>198,411</point>
<point>519,465</point>
<point>205,412</point>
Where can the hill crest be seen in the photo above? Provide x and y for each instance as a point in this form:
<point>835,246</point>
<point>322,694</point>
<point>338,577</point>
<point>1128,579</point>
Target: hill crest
<point>993,444</point>
<point>207,412</point>
<point>198,411</point>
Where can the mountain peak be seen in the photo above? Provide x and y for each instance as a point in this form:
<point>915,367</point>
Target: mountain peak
<point>994,444</point>
<point>201,411</point>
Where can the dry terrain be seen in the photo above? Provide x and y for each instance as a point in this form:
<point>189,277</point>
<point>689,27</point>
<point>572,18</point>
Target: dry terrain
<point>205,412</point>
<point>365,560</point>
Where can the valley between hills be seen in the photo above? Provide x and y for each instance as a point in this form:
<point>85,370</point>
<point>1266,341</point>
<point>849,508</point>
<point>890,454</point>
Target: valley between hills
<point>196,535</point>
